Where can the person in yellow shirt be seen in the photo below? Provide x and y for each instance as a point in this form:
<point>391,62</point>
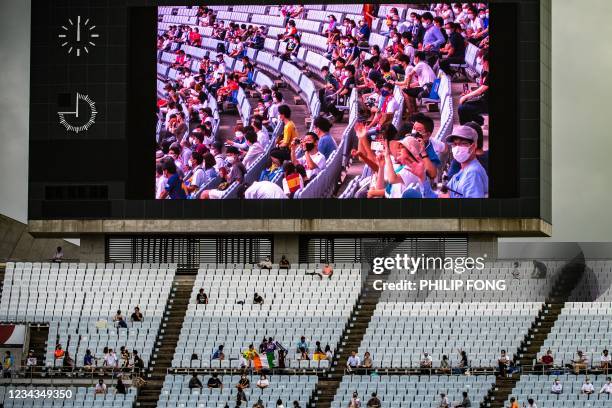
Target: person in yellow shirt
<point>290,131</point>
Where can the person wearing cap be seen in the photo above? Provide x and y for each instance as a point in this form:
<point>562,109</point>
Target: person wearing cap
<point>472,180</point>
<point>400,173</point>
<point>587,387</point>
<point>581,362</point>
<point>557,387</point>
<point>481,154</point>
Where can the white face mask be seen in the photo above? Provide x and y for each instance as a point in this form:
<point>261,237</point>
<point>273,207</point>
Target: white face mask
<point>448,31</point>
<point>239,135</point>
<point>230,159</point>
<point>461,153</point>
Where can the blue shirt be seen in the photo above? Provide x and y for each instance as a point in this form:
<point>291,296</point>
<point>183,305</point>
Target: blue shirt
<point>433,36</point>
<point>88,360</point>
<point>365,31</point>
<point>433,156</point>
<point>327,145</point>
<point>455,166</point>
<point>470,182</point>
<point>174,187</point>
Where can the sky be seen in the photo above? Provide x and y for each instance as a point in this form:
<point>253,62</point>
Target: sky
<point>582,100</point>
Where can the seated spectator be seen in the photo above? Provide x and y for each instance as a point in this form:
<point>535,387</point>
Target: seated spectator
<point>483,158</point>
<point>472,180</point>
<point>302,348</point>
<point>31,360</point>
<point>255,149</point>
<point>367,360</point>
<point>355,401</point>
<point>59,352</point>
<point>424,76</point>
<point>100,387</point>
<point>327,271</point>
<point>557,387</point>
<point>319,354</point>
<point>580,362</point>
<point>465,401</point>
<point>137,362</point>
<point>266,263</point>
<point>68,362</point>
<point>289,130</point>
<point>121,323</point>
<point>263,382</point>
<point>125,357</point>
<point>514,403</point>
<point>312,160</point>
<point>327,145</point>
<point>110,360</point>
<point>120,387</point>
<point>296,404</point>
<point>292,181</point>
<point>59,255</point>
<point>226,92</point>
<point>432,38</point>
<point>235,174</point>
<point>444,403</point>
<point>531,403</point>
<point>194,382</point>
<point>426,361</point>
<point>607,387</point>
<point>328,353</point>
<point>445,365</point>
<point>547,359</point>
<point>243,384</point>
<point>374,402</point>
<point>454,50</point>
<point>587,387</point>
<point>503,363</point>
<point>284,263</point>
<point>279,403</point>
<point>174,182</point>
<point>214,382</point>
<point>606,360</point>
<point>257,299</point>
<point>202,298</point>
<point>353,361</point>
<point>218,354</point>
<point>473,104</point>
<point>118,316</point>
<point>88,360</point>
<point>463,360</point>
<point>136,315</point>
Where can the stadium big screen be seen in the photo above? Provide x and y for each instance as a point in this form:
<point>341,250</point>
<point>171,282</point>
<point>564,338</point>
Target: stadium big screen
<point>384,118</point>
<point>260,110</point>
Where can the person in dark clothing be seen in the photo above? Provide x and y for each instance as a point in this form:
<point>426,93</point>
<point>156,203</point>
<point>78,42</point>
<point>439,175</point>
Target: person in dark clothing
<point>454,50</point>
<point>120,387</point>
<point>195,382</point>
<point>473,104</point>
<point>202,298</point>
<point>373,402</point>
<point>214,382</point>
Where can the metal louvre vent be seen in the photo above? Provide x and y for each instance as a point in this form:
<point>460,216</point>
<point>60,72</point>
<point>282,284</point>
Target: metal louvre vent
<point>361,249</point>
<point>185,250</point>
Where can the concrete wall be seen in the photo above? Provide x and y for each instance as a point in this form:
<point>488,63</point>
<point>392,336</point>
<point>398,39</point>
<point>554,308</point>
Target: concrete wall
<point>17,244</point>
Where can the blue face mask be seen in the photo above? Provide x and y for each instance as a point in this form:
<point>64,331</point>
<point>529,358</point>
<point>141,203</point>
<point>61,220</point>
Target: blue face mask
<point>384,93</point>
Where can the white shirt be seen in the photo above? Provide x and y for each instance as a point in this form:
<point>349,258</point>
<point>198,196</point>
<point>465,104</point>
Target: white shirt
<point>606,359</point>
<point>263,383</point>
<point>409,180</point>
<point>100,388</point>
<point>353,361</point>
<point>606,389</point>
<point>111,360</point>
<point>263,190</point>
<point>392,105</point>
<point>263,137</point>
<point>424,73</point>
<point>587,387</point>
<point>255,150</point>
<point>556,388</point>
<point>319,160</point>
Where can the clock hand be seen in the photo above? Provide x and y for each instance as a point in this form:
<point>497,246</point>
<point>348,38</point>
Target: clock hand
<point>78,28</point>
<point>77,105</point>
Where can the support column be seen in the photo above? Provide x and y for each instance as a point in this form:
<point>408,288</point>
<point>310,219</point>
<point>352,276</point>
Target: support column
<point>288,245</point>
<point>92,248</point>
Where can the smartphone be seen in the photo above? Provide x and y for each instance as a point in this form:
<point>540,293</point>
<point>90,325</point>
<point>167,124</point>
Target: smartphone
<point>377,146</point>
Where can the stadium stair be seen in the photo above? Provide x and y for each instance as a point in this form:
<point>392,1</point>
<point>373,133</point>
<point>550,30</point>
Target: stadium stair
<point>538,333</point>
<point>38,341</point>
<point>167,337</point>
<point>353,334</point>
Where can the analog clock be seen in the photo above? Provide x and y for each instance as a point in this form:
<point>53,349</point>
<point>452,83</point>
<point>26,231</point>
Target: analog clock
<point>79,121</point>
<point>78,35</point>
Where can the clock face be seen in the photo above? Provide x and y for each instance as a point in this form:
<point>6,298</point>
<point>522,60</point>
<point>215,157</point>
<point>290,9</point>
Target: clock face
<point>82,117</point>
<point>78,36</point>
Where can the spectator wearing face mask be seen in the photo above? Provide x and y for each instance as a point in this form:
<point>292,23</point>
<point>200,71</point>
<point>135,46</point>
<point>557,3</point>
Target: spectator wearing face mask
<point>174,183</point>
<point>481,155</point>
<point>473,104</point>
<point>312,160</point>
<point>472,180</point>
<point>254,148</point>
<point>454,50</point>
<point>235,173</point>
<point>433,38</point>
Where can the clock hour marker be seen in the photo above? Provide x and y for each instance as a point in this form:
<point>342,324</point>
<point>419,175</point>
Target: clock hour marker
<point>78,35</point>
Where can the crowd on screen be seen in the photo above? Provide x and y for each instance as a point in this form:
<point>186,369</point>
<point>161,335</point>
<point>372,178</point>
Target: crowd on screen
<point>405,163</point>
